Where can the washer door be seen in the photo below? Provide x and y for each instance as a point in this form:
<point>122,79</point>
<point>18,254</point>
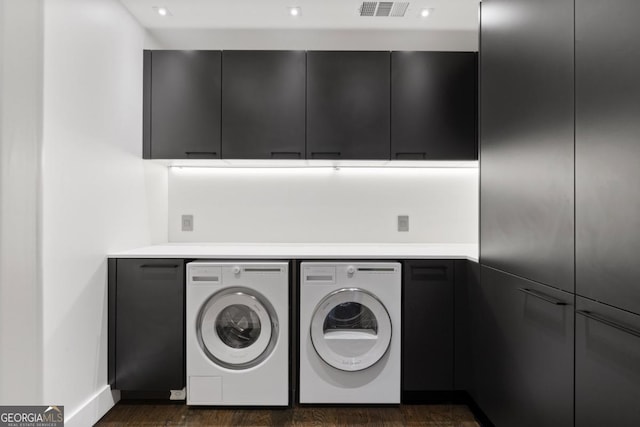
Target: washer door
<point>351,329</point>
<point>237,328</point>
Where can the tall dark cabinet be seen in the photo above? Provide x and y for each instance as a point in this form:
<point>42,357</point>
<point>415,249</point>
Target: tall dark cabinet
<point>608,152</point>
<point>182,104</point>
<point>348,105</point>
<point>607,213</point>
<point>263,104</point>
<point>527,139</point>
<point>523,309</point>
<point>434,105</point>
<point>538,80</point>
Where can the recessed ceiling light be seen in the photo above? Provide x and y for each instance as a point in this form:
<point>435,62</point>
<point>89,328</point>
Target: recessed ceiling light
<point>295,11</point>
<point>162,11</point>
<point>425,12</point>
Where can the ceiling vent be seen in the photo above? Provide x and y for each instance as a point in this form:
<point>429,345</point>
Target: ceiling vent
<point>383,8</point>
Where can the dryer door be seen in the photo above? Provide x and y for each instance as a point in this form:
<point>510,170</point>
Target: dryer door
<point>237,328</point>
<point>351,329</point>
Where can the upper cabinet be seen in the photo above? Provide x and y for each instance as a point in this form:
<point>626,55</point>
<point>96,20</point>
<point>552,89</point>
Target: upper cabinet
<point>182,104</point>
<point>263,104</point>
<point>310,105</point>
<point>434,105</point>
<point>348,105</point>
<point>527,139</point>
<point>608,152</point>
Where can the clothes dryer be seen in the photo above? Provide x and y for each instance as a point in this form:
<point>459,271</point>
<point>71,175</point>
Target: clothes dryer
<point>350,314</point>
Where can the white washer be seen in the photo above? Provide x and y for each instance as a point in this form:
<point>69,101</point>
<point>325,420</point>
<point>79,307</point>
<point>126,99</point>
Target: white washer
<point>237,333</point>
<point>350,332</point>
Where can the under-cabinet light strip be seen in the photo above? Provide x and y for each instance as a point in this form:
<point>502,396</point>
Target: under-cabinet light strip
<point>225,164</point>
<point>336,171</point>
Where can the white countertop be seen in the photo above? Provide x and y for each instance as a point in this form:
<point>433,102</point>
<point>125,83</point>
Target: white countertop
<point>304,251</point>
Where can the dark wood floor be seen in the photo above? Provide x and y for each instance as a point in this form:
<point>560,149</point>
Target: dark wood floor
<point>149,414</point>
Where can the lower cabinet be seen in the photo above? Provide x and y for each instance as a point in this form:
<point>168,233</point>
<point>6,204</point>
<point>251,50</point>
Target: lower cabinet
<point>523,351</point>
<point>467,276</point>
<point>607,366</point>
<point>146,329</point>
<point>427,330</point>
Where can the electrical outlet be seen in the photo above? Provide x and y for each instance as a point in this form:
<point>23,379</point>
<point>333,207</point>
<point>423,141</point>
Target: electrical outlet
<point>187,222</point>
<point>403,222</point>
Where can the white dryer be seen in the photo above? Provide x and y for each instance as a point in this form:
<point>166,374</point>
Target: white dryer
<point>237,333</point>
<point>350,332</point>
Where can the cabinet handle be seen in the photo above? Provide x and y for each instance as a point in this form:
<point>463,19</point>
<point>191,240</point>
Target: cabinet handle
<point>286,154</point>
<point>326,153</point>
<point>608,322</point>
<point>160,266</point>
<point>201,153</point>
<point>421,155</point>
<point>542,296</point>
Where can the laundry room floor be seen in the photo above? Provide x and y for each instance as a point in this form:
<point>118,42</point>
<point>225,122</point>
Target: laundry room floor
<point>150,414</point>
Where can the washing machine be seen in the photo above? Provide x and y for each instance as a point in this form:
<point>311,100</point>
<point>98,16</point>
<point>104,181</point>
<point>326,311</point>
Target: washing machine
<point>237,337</point>
<point>350,332</point>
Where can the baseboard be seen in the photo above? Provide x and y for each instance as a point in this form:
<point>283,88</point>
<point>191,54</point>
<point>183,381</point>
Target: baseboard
<point>158,396</point>
<point>93,409</point>
<point>426,397</point>
<point>464,397</point>
<point>459,397</point>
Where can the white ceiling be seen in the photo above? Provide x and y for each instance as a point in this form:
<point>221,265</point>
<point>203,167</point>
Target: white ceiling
<point>458,15</point>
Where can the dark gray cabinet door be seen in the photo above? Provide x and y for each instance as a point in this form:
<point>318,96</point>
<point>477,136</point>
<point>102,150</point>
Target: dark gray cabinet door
<point>607,366</point>
<point>263,104</point>
<point>434,105</point>
<point>467,276</point>
<point>427,330</point>
<point>348,105</point>
<point>185,104</point>
<point>608,152</point>
<point>523,351</point>
<point>149,325</point>
<point>527,139</point>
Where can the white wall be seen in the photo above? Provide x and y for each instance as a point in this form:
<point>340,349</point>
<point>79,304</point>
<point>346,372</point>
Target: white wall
<point>95,190</point>
<point>321,205</point>
<point>20,147</point>
<point>313,39</point>
<point>73,187</point>
<point>350,205</point>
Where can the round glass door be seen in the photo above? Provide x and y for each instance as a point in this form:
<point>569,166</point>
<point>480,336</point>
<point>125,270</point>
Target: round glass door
<point>351,329</point>
<point>237,328</point>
